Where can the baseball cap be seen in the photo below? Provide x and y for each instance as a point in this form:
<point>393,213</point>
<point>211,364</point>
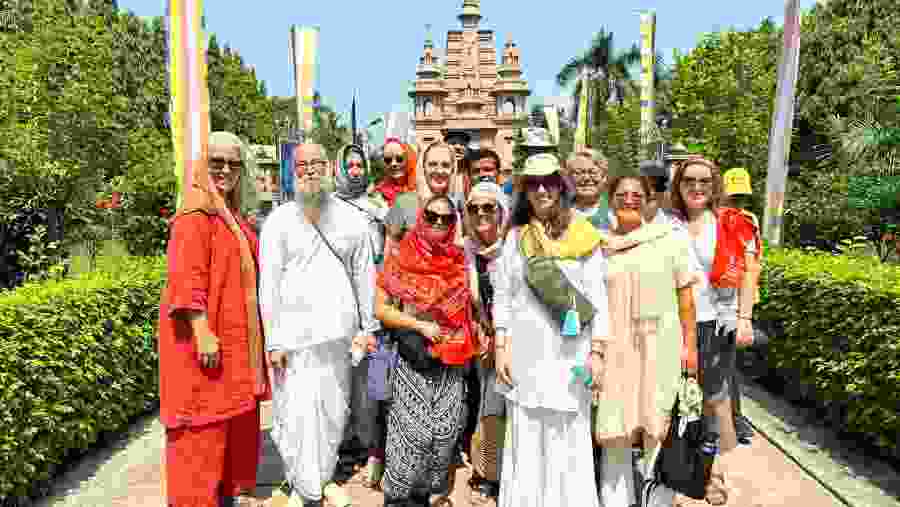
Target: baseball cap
<point>736,181</point>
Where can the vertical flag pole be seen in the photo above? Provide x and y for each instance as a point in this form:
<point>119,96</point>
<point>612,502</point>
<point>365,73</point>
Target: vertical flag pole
<point>782,122</point>
<point>648,95</point>
<point>189,94</point>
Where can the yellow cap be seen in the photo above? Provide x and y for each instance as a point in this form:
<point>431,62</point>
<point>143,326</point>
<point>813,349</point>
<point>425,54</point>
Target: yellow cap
<point>737,181</point>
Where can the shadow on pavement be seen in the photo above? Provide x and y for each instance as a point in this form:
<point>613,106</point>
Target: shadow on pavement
<point>807,428</point>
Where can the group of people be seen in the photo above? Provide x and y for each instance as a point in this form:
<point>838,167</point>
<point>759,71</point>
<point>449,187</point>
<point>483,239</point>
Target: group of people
<point>442,312</point>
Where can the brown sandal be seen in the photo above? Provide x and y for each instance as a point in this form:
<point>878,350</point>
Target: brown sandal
<point>717,489</point>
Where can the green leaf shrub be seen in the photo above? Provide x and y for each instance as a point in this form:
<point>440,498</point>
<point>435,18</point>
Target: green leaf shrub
<point>841,334</point>
<point>78,358</point>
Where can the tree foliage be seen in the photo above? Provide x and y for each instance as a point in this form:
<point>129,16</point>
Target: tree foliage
<point>722,98</point>
<point>849,55</point>
<point>84,105</point>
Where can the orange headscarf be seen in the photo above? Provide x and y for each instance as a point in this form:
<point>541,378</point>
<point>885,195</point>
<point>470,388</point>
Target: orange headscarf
<point>390,188</point>
<point>432,277</point>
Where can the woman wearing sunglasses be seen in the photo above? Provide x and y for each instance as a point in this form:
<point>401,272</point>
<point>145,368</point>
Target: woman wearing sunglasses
<point>551,254</point>
<point>435,176</point>
<point>423,295</point>
<point>399,172</point>
<point>487,210</point>
<point>723,297</point>
<point>651,307</point>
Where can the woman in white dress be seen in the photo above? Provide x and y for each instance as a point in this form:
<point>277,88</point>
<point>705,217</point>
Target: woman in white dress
<point>548,457</point>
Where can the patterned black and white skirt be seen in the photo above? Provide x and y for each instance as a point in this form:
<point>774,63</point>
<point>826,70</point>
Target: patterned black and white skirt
<point>425,420</point>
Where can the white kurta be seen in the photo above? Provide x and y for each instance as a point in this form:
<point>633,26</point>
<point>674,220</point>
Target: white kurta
<point>374,214</point>
<point>309,311</point>
<point>547,412</point>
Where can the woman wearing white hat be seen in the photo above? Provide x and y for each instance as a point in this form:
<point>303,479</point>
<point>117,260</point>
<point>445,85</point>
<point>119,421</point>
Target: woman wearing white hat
<point>550,313</point>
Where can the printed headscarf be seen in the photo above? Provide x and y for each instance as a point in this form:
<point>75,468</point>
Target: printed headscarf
<point>388,187</point>
<point>432,277</point>
<point>346,186</point>
<point>493,192</point>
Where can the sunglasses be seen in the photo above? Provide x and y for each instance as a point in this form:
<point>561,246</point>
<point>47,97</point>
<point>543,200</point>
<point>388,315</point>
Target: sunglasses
<point>389,160</point>
<point>435,218</point>
<point>487,208</point>
<point>694,182</point>
<point>551,183</point>
<point>217,165</point>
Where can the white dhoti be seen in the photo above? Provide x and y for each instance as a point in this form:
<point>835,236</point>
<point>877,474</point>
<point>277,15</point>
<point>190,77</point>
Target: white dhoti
<point>310,410</point>
<point>548,460</point>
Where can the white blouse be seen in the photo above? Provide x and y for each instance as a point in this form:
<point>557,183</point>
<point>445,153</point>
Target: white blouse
<point>542,358</point>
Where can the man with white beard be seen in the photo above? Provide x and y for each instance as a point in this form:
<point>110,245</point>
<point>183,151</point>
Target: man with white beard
<point>316,295</point>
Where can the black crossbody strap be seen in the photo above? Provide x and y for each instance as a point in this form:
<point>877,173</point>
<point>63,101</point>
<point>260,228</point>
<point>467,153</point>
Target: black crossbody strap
<point>360,208</point>
<point>346,272</point>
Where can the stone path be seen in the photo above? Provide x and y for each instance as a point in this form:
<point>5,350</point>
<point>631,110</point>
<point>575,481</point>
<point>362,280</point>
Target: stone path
<point>130,474</point>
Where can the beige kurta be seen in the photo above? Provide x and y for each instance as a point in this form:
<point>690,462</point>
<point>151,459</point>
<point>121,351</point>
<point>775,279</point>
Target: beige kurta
<point>643,357</point>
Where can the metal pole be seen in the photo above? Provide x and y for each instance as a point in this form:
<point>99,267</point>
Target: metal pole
<point>782,121</point>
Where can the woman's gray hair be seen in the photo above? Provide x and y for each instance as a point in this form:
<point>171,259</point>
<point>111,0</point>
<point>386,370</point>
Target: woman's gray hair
<point>246,185</point>
<point>594,155</point>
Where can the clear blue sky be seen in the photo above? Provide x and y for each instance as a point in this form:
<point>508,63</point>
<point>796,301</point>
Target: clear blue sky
<point>375,46</point>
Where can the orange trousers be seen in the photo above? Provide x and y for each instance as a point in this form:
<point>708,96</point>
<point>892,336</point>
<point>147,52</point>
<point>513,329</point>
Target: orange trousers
<point>205,463</point>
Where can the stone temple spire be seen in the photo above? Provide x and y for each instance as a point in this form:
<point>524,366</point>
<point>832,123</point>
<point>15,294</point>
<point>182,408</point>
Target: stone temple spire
<point>471,14</point>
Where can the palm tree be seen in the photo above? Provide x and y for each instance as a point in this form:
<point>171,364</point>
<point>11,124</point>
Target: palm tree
<point>604,65</point>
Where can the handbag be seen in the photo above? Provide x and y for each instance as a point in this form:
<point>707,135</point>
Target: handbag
<point>382,363</point>
<point>411,347</point>
<point>559,296</point>
<point>681,464</point>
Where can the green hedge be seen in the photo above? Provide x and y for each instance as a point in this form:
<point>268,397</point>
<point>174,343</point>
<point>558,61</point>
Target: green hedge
<point>77,358</point>
<point>841,335</point>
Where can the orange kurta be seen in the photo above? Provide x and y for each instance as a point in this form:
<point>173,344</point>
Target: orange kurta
<point>205,275</point>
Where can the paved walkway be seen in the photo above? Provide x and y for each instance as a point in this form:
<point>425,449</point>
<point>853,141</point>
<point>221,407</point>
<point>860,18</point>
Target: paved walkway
<point>131,474</point>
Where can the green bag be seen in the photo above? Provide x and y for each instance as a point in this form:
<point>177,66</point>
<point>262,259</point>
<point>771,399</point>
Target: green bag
<point>553,289</point>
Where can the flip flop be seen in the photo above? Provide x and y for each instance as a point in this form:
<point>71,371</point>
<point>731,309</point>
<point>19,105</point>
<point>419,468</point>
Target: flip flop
<point>336,496</point>
<point>374,473</point>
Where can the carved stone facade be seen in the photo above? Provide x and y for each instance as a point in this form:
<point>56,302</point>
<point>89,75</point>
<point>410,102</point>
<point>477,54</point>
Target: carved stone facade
<point>469,92</point>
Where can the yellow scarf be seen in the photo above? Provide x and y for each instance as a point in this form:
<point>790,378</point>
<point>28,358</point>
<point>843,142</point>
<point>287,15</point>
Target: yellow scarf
<point>579,240</point>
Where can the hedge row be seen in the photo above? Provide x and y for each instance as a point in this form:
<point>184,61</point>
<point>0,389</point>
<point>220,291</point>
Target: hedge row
<point>841,336</point>
<point>77,358</point>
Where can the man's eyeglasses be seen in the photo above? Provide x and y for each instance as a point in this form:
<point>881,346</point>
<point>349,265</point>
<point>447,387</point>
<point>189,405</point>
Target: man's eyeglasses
<point>583,175</point>
<point>435,218</point>
<point>316,164</point>
<point>487,208</point>
<point>390,160</point>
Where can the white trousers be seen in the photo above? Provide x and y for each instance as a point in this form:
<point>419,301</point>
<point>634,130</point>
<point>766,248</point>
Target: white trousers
<point>310,410</point>
<point>548,460</point>
<point>617,488</point>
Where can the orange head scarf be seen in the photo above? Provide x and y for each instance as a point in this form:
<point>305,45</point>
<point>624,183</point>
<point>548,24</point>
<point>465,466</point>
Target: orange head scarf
<point>432,277</point>
<point>390,188</point>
